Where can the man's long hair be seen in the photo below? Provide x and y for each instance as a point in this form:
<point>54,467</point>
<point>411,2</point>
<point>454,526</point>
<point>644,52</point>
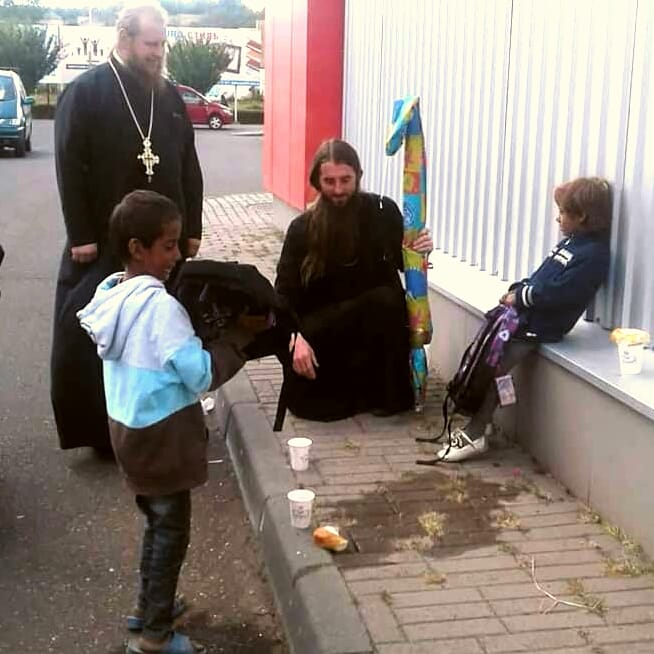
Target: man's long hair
<point>332,230</point>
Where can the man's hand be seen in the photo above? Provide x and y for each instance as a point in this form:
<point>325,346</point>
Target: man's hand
<point>423,242</point>
<point>508,299</point>
<point>304,358</point>
<point>192,246</point>
<point>84,253</point>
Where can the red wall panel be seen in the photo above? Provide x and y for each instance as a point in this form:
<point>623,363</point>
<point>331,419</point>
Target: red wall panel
<point>304,82</point>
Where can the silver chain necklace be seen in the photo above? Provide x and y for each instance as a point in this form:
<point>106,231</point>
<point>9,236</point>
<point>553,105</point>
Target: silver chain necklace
<point>147,157</point>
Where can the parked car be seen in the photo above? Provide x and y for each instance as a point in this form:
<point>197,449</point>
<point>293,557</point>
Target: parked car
<point>203,111</point>
<point>15,114</point>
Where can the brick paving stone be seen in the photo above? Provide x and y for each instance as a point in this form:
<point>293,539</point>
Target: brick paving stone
<point>347,561</point>
<point>386,571</point>
<point>436,597</point>
<point>444,612</point>
<point>630,615</point>
<point>380,620</point>
<point>604,542</point>
<point>564,620</point>
<point>622,634</point>
<point>363,471</point>
<point>454,628</point>
<point>486,563</point>
<point>630,598</point>
<point>528,605</point>
<point>630,648</point>
<point>456,646</point>
<point>528,642</point>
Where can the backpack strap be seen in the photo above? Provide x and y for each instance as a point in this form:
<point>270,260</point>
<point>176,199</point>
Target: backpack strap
<point>437,439</point>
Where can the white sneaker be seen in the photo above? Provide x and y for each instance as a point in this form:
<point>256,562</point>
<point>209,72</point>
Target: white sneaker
<point>462,447</point>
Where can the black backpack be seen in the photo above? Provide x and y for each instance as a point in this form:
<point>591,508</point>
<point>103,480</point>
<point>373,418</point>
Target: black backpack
<point>216,293</point>
<point>478,368</point>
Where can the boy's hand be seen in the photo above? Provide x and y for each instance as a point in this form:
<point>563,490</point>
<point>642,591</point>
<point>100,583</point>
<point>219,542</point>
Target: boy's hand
<point>508,299</point>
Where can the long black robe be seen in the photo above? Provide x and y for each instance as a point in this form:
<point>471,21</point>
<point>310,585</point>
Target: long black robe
<point>96,149</point>
<point>354,317</point>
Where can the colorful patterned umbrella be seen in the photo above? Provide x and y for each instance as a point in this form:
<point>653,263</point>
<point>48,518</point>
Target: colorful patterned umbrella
<point>407,128</point>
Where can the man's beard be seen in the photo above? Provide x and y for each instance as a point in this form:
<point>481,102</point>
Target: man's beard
<point>342,228</point>
<point>149,79</point>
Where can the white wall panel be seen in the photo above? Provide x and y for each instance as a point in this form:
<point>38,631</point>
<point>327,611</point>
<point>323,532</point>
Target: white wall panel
<point>516,97</point>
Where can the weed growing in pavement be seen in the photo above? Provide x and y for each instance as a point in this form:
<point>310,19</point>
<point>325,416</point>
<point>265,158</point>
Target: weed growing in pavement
<point>521,484</point>
<point>435,578</point>
<point>507,548</point>
<point>588,516</point>
<point>352,445</point>
<point>413,544</point>
<point>455,489</point>
<point>508,520</point>
<point>433,524</point>
<point>632,561</point>
<point>592,603</point>
<point>387,598</point>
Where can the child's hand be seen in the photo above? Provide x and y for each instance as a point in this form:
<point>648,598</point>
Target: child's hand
<point>508,299</point>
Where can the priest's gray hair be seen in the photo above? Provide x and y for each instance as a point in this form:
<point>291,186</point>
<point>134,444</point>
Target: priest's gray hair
<point>129,18</point>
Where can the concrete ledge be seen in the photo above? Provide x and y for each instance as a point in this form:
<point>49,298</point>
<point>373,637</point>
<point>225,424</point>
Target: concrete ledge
<point>317,610</point>
<point>598,443</point>
<point>586,351</point>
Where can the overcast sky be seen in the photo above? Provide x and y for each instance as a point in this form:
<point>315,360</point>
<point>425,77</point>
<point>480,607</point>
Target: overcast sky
<point>257,5</point>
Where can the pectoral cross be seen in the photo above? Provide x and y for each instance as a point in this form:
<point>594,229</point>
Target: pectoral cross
<point>148,158</point>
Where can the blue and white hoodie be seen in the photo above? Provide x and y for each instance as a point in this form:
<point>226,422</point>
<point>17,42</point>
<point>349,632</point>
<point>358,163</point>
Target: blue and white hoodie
<point>154,369</point>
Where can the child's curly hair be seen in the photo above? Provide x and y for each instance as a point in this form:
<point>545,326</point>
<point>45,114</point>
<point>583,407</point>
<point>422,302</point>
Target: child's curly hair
<point>589,198</point>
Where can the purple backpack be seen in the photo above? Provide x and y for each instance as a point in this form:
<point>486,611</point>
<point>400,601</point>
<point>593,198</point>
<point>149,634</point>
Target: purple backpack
<point>478,367</point>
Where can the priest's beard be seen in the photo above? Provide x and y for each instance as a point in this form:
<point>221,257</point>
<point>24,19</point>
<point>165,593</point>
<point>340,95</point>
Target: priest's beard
<point>150,79</point>
<point>333,236</point>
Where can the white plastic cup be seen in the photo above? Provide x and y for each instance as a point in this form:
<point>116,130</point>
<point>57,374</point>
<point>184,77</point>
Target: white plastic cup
<point>300,503</point>
<point>299,451</point>
<point>631,358</point>
<point>210,414</point>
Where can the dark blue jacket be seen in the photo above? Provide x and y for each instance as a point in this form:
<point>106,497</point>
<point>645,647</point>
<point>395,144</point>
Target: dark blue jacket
<point>551,301</point>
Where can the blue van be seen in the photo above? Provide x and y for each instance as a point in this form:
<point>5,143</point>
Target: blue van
<point>15,114</point>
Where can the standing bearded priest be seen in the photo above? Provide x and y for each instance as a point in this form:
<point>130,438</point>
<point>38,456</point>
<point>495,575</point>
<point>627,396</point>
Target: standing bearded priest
<point>118,127</point>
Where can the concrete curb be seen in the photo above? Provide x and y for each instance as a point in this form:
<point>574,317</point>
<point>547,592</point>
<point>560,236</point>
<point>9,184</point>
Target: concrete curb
<point>316,608</point>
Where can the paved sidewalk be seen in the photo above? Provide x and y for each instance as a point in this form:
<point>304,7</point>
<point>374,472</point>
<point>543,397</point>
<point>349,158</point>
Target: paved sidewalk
<point>447,559</point>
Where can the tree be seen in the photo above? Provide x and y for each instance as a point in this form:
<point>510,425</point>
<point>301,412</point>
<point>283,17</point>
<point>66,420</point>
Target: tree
<point>198,64</point>
<point>230,13</point>
<point>24,13</point>
<point>29,51</point>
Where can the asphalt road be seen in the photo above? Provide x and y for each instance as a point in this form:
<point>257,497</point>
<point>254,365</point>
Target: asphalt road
<point>69,531</point>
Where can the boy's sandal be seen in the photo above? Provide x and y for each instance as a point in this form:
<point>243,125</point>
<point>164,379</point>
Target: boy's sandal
<point>176,644</point>
<point>135,622</point>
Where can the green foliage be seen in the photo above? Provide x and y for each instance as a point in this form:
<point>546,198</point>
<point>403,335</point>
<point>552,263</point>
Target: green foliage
<point>225,13</point>
<point>198,64</point>
<point>230,13</point>
<point>29,51</point>
<point>23,13</point>
<point>250,116</point>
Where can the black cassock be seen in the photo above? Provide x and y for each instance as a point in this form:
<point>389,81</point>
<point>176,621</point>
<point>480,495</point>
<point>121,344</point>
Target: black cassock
<point>354,317</point>
<point>96,150</point>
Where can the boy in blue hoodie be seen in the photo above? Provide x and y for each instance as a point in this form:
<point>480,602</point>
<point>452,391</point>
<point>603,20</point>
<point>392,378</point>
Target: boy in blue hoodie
<point>155,369</point>
<point>553,298</point>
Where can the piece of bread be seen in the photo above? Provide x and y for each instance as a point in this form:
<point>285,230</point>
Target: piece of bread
<point>628,336</point>
<point>328,538</point>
